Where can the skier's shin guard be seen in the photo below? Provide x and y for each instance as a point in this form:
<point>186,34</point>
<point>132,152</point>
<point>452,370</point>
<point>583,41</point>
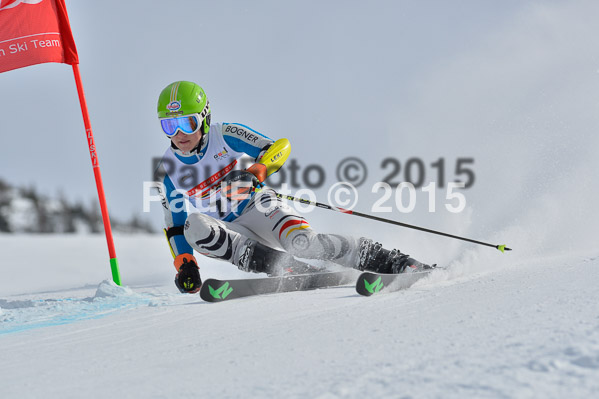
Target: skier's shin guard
<point>259,258</point>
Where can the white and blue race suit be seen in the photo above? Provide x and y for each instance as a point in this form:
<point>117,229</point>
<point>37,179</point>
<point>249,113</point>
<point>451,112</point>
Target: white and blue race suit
<point>221,232</point>
<point>196,177</point>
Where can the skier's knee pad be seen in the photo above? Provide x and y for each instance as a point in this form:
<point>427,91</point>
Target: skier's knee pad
<point>299,242</point>
<point>198,227</point>
<point>208,236</point>
<point>308,244</point>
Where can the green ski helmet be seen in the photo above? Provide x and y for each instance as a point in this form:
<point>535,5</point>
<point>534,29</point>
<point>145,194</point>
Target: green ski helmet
<point>184,98</point>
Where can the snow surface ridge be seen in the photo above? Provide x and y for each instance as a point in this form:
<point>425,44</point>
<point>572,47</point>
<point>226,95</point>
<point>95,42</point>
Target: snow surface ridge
<point>27,314</point>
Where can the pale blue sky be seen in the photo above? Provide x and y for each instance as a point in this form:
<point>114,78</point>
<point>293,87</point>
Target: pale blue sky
<point>504,82</point>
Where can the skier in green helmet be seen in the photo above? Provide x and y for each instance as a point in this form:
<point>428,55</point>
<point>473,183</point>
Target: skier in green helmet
<point>254,230</point>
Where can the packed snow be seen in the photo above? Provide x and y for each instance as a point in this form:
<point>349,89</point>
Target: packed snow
<point>523,328</point>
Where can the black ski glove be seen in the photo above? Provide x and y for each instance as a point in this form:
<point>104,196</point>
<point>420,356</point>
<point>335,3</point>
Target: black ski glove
<point>238,185</point>
<point>188,278</point>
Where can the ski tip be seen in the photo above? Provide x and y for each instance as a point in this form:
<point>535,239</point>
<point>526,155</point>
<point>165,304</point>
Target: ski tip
<point>503,248</point>
<point>368,284</point>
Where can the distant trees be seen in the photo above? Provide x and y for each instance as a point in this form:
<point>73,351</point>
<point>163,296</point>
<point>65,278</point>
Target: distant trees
<point>24,210</point>
<point>4,202</point>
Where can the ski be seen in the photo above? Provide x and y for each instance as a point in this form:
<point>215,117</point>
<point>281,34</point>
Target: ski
<point>214,290</point>
<point>369,283</point>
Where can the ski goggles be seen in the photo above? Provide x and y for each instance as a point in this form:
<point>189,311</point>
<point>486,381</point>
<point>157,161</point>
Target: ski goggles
<point>188,124</point>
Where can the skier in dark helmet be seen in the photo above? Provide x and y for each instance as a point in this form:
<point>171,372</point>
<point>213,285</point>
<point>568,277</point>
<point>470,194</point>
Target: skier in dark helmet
<point>254,230</point>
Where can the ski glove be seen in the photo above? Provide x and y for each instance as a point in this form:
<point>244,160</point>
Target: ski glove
<point>188,278</point>
<point>238,185</point>
<point>258,170</point>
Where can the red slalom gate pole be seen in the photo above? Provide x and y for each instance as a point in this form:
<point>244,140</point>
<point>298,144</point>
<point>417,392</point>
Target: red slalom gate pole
<point>114,264</point>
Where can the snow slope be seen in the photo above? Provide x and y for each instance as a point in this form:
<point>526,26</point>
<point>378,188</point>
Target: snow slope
<point>513,86</point>
<point>518,329</point>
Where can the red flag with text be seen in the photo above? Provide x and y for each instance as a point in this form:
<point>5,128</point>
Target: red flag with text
<point>33,32</point>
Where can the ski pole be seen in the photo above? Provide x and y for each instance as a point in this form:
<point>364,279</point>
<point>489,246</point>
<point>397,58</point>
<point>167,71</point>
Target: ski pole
<point>502,248</point>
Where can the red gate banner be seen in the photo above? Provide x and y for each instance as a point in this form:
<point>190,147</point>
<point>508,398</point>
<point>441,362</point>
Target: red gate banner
<point>37,31</point>
<point>33,32</point>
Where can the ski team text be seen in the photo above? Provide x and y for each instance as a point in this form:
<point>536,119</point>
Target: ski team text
<point>32,44</point>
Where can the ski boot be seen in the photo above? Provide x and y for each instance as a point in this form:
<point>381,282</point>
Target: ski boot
<point>259,258</point>
<point>373,257</point>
